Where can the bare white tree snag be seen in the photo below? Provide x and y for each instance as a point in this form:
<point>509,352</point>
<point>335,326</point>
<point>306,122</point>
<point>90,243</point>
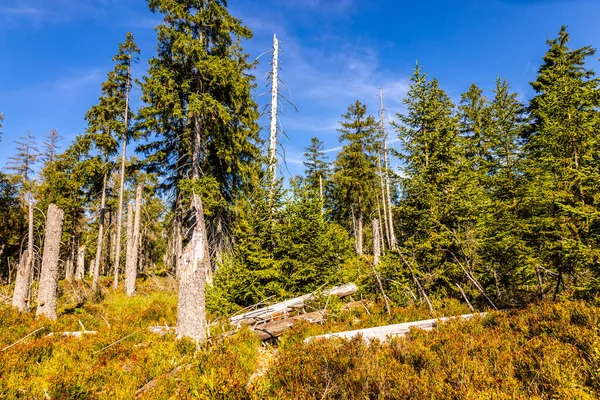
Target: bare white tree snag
<point>191,274</point>
<point>25,271</point>
<point>386,166</point>
<point>274,107</point>
<point>80,271</point>
<point>376,242</point>
<point>96,269</point>
<point>122,182</point>
<point>49,277</point>
<point>133,250</point>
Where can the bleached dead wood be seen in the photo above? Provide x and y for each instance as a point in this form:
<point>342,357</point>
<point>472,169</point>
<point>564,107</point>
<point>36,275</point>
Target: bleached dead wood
<point>265,314</point>
<point>78,334</point>
<point>162,330</point>
<point>382,333</point>
<point>272,330</point>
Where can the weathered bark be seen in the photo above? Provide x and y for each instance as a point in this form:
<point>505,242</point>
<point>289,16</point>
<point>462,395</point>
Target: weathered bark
<point>20,298</point>
<point>96,269</point>
<point>129,242</point>
<point>80,271</point>
<point>25,271</point>
<point>133,250</point>
<point>69,268</point>
<point>273,127</point>
<point>49,276</point>
<point>192,269</point>
<point>272,330</point>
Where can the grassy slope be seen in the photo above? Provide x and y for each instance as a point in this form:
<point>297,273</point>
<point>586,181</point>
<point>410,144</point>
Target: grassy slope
<point>546,351</point>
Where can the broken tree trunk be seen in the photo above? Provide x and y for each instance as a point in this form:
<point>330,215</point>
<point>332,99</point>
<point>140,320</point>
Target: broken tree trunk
<point>191,274</point>
<point>80,271</point>
<point>25,271</point>
<point>49,276</point>
<point>21,293</point>
<point>267,313</point>
<point>382,333</point>
<point>133,250</point>
<point>272,330</point>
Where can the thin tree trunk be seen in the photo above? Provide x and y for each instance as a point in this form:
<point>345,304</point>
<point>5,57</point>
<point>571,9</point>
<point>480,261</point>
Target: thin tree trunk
<point>96,274</point>
<point>47,294</point>
<point>122,186</point>
<point>359,233</point>
<point>132,255</point>
<point>540,282</point>
<point>129,243</point>
<point>194,263</point>
<point>386,166</point>
<point>376,242</point>
<point>273,129</point>
<point>25,271</point>
<point>80,271</point>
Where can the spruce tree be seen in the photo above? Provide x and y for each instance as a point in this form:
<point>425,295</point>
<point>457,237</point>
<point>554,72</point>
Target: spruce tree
<point>316,168</point>
<point>474,119</point>
<point>562,163</point>
<point>355,171</point>
<point>504,250</point>
<point>434,203</point>
<point>200,118</point>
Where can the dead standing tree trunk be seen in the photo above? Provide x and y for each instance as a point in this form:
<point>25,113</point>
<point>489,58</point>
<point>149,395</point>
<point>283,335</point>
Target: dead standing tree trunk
<point>80,271</point>
<point>376,242</point>
<point>191,274</point>
<point>49,276</point>
<point>133,250</point>
<point>25,271</point>
<point>96,273</point>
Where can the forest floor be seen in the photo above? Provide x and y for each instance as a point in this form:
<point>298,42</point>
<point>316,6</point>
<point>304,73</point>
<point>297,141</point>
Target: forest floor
<point>546,351</point>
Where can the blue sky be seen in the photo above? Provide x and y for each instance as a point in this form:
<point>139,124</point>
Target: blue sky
<point>54,54</point>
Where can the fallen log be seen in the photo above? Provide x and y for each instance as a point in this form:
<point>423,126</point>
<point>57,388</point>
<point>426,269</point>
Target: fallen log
<point>265,314</point>
<point>382,333</point>
<point>162,330</point>
<point>272,330</point>
<point>77,334</point>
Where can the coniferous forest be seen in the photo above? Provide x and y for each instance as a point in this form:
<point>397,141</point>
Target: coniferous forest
<point>137,260</point>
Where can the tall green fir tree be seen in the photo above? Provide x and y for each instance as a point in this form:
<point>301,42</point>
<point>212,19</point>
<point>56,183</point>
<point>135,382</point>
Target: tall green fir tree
<point>354,177</point>
<point>562,167</point>
<point>316,168</point>
<point>439,206</point>
<point>200,117</point>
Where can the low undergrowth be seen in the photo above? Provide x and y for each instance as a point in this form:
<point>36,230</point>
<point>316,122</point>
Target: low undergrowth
<point>547,351</point>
